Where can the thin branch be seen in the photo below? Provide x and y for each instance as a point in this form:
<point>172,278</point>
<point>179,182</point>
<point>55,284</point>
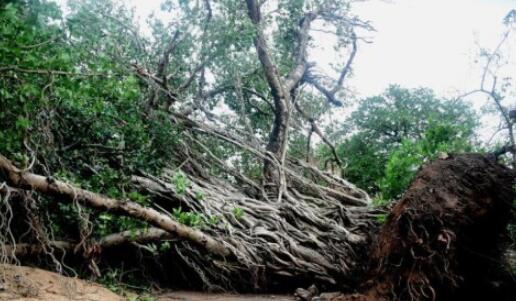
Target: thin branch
<point>112,240</point>
<point>315,128</point>
<point>300,54</point>
<point>49,72</point>
<point>330,94</point>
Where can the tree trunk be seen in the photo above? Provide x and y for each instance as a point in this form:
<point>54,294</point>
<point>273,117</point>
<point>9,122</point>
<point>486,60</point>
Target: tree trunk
<point>277,145</point>
<point>278,138</point>
<point>63,191</point>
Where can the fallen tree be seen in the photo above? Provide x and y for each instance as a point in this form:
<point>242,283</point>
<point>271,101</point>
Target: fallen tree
<point>435,245</point>
<point>246,211</point>
<point>302,239</point>
<point>47,185</point>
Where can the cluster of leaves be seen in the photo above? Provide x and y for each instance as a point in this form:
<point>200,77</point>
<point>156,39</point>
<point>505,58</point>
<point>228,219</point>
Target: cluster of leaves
<point>394,133</point>
<point>66,101</point>
<point>440,138</point>
<point>194,219</point>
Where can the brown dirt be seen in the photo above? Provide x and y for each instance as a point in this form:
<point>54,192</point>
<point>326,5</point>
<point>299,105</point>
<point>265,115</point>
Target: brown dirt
<point>196,296</point>
<point>444,239</point>
<point>31,284</point>
<point>23,283</point>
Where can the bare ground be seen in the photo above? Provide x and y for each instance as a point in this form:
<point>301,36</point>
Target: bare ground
<point>196,296</point>
<point>32,284</point>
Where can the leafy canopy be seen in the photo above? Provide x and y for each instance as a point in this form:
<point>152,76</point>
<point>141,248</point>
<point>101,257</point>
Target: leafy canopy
<point>393,133</point>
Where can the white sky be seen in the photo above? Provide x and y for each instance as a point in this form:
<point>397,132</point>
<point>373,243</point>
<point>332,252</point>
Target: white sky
<point>430,43</point>
<point>417,43</point>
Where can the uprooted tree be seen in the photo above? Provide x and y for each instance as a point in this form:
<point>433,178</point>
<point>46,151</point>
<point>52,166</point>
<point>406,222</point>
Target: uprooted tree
<point>130,117</point>
<point>187,143</point>
<point>445,238</point>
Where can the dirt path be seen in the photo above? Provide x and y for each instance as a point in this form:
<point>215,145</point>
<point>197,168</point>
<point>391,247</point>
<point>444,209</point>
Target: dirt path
<point>31,284</point>
<point>196,296</point>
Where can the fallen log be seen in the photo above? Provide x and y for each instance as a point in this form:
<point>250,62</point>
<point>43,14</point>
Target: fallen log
<point>62,191</point>
<point>252,244</point>
<point>445,238</point>
<point>112,240</point>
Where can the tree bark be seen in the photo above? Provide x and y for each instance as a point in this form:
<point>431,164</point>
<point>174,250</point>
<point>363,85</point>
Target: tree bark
<point>62,191</point>
<point>278,138</point>
<point>111,240</point>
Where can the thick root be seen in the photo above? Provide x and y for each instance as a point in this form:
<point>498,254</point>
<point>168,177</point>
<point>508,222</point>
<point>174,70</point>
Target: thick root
<point>444,239</point>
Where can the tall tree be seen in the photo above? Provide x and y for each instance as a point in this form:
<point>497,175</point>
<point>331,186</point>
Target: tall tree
<point>497,87</point>
<point>113,131</point>
<point>285,80</point>
<point>381,124</point>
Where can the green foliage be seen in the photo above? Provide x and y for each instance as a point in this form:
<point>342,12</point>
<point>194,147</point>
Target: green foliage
<point>402,165</point>
<point>137,197</point>
<point>364,161</point>
<point>66,94</point>
<point>238,212</point>
<point>110,280</point>
<point>381,218</point>
<point>213,220</point>
<point>395,132</point>
<point>404,162</point>
<point>199,195</point>
<point>189,218</point>
<point>180,182</point>
<point>164,246</point>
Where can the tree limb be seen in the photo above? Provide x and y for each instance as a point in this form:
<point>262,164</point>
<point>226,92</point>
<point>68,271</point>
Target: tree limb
<point>63,191</point>
<point>330,94</point>
<point>138,236</point>
<point>315,128</point>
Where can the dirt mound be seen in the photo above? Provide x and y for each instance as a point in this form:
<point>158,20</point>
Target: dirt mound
<point>444,239</point>
<point>31,284</point>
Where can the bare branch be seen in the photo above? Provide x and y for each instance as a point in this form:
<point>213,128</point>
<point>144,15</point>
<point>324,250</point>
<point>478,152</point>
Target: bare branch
<point>260,42</point>
<point>315,128</point>
<point>330,94</point>
<point>300,64</point>
<point>111,240</point>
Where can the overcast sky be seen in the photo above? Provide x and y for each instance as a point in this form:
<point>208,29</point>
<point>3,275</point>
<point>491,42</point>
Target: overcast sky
<point>430,43</point>
<point>418,43</point>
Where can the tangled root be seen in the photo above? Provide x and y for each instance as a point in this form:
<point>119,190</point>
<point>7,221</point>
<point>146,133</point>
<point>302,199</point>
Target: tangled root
<point>444,239</point>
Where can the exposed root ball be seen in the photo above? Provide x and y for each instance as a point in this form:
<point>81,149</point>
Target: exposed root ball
<point>444,239</point>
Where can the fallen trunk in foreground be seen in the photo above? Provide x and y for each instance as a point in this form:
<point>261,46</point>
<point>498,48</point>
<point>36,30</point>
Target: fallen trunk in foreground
<point>444,239</point>
<point>48,185</point>
<point>313,234</point>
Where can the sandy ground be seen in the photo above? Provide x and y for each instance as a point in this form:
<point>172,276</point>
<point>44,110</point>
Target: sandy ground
<point>22,283</point>
<point>31,284</point>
